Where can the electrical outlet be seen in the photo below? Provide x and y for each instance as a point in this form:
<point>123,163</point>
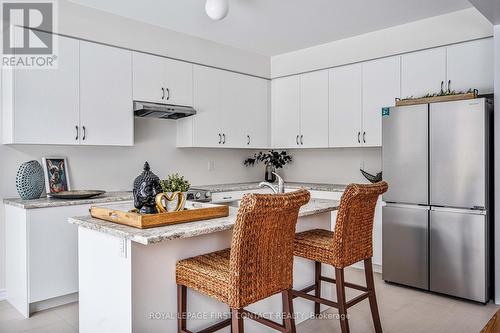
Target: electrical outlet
<point>122,248</point>
<point>211,165</point>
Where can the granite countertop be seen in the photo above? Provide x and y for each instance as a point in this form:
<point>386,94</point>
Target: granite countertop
<point>52,202</point>
<point>255,185</point>
<point>186,230</point>
<point>46,202</point>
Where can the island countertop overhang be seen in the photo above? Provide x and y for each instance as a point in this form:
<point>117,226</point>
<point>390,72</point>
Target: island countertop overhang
<point>186,230</point>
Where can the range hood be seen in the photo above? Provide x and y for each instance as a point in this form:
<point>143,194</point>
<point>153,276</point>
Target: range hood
<point>163,111</point>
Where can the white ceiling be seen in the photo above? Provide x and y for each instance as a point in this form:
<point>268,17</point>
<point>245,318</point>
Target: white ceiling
<point>271,27</point>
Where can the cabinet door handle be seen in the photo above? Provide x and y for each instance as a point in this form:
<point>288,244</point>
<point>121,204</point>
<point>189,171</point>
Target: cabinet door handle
<point>84,133</point>
<point>220,138</point>
<point>297,139</point>
<point>77,132</point>
<point>301,139</point>
<point>449,86</point>
<point>359,141</point>
<point>162,93</point>
<point>227,198</point>
<point>224,137</point>
<point>248,140</point>
<point>364,135</point>
<point>168,94</point>
<point>442,87</point>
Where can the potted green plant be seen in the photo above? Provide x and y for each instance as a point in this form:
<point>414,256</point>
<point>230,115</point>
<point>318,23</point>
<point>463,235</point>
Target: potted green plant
<point>272,159</point>
<point>175,183</point>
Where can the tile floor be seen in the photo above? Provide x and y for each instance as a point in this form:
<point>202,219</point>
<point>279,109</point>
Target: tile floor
<point>402,310</point>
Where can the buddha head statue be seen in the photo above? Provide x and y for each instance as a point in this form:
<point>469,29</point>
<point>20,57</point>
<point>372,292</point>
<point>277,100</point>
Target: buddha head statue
<point>146,187</point>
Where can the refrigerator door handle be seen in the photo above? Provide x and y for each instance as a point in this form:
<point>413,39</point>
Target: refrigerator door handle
<point>401,205</point>
<point>459,210</point>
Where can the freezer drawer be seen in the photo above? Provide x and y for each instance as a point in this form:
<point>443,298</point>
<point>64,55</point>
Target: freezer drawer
<point>405,154</point>
<point>458,154</point>
<point>405,245</point>
<point>458,254</point>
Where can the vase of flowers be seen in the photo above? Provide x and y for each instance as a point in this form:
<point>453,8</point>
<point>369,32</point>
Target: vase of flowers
<point>272,159</point>
<point>175,188</point>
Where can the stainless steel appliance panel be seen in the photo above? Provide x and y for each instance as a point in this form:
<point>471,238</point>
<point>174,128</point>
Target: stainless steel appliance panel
<point>458,253</point>
<point>405,245</point>
<point>458,154</point>
<point>405,154</point>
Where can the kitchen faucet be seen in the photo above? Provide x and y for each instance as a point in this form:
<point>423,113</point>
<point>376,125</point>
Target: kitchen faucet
<point>276,189</point>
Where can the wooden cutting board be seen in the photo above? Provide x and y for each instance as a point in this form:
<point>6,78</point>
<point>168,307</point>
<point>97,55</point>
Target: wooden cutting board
<point>194,212</point>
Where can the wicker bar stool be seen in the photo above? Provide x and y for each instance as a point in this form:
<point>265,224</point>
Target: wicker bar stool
<point>351,242</point>
<point>258,265</point>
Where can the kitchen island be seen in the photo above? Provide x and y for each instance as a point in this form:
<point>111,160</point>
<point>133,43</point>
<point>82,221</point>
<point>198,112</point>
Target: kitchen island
<point>127,275</point>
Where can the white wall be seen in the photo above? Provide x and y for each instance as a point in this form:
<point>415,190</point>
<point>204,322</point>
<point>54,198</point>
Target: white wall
<point>436,31</point>
<point>88,23</point>
<point>114,168</point>
<point>497,166</point>
<point>340,166</point>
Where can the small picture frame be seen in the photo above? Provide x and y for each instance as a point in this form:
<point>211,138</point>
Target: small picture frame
<point>56,174</point>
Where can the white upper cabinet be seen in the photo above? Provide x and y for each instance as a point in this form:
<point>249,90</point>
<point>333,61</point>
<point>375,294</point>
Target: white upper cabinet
<point>314,110</point>
<point>470,66</point>
<point>286,112</point>
<point>41,106</point>
<point>232,111</point>
<point>162,80</point>
<point>106,113</point>
<point>206,124</point>
<point>381,86</point>
<point>423,72</point>
<point>178,82</point>
<point>148,79</point>
<point>345,106</point>
<point>251,118</point>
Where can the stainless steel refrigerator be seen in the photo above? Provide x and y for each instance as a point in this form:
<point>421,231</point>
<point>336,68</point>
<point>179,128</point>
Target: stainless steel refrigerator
<point>435,229</point>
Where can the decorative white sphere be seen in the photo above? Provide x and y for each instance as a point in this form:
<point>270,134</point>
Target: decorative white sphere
<point>217,9</point>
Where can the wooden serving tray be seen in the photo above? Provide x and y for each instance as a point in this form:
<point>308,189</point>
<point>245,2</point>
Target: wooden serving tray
<point>435,99</point>
<point>193,212</point>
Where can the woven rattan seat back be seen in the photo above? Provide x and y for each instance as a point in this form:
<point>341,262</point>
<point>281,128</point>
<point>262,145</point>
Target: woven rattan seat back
<point>352,239</point>
<point>261,258</point>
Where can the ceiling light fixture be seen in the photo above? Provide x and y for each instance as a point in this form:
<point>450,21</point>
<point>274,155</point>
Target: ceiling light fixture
<point>217,9</point>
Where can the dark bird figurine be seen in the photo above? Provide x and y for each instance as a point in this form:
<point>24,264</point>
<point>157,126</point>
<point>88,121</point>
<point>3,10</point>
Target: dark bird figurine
<point>372,178</point>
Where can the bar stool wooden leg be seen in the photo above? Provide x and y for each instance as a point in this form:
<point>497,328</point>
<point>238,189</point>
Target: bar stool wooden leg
<point>370,284</point>
<point>181,308</point>
<point>317,286</point>
<point>237,320</point>
<point>341,299</point>
<point>289,321</point>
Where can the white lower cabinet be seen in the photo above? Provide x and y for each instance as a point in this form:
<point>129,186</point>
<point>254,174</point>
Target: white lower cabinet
<point>232,111</point>
<point>41,257</point>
